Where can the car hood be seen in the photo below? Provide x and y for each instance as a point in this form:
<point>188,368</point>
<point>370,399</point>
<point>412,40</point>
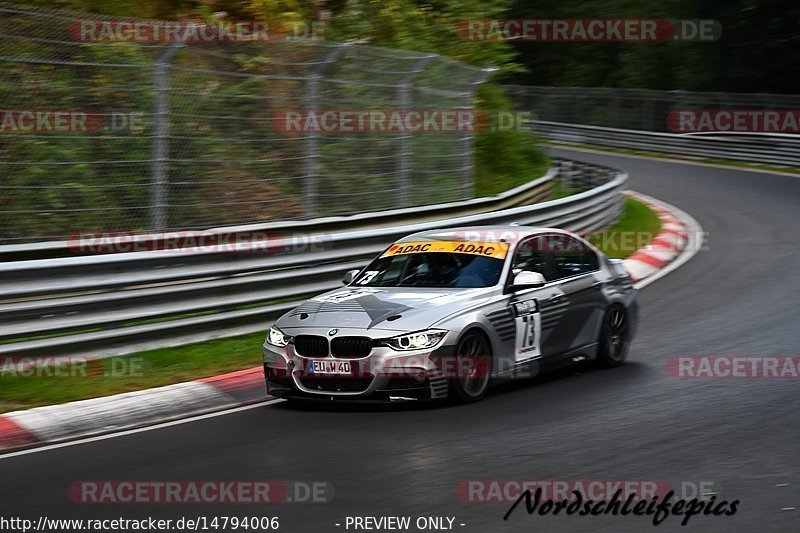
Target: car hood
<point>384,308</point>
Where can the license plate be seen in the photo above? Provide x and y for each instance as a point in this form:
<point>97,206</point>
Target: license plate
<point>330,367</point>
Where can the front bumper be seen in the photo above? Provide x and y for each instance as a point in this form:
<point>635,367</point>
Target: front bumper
<point>384,375</point>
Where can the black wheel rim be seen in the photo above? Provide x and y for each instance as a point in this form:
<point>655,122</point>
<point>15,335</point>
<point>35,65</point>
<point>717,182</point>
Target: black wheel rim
<point>473,367</point>
<point>617,324</point>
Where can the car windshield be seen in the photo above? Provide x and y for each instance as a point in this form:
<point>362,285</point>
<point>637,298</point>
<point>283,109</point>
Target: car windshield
<point>479,266</point>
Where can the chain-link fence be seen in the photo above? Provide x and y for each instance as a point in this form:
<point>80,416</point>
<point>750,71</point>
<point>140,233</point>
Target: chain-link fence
<point>635,109</point>
<point>134,135</point>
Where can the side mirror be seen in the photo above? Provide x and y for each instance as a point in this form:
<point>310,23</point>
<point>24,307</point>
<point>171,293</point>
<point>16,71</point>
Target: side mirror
<point>350,275</point>
<point>528,280</point>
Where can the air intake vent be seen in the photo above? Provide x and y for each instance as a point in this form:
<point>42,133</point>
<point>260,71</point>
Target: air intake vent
<point>327,384</point>
<point>311,345</point>
<point>351,347</point>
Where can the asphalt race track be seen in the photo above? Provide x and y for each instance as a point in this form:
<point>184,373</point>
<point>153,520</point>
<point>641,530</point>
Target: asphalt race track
<point>737,297</point>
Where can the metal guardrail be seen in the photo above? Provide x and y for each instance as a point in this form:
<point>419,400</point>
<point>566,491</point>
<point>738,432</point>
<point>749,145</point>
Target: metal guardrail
<point>634,109</point>
<point>102,305</point>
<point>780,150</point>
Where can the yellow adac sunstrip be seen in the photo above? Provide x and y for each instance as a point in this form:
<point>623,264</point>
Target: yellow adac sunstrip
<point>497,250</point>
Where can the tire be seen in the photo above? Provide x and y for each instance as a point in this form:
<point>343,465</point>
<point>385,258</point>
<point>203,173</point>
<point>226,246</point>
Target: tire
<point>473,369</point>
<point>615,337</point>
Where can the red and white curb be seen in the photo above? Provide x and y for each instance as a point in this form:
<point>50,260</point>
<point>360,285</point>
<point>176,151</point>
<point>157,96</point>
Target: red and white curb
<point>56,423</point>
<point>679,239</point>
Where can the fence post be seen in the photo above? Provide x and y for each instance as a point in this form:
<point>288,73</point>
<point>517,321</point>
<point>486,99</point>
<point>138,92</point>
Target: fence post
<point>648,124</point>
<point>405,97</point>
<point>311,159</point>
<point>159,169</point>
<point>614,112</point>
<point>467,187</point>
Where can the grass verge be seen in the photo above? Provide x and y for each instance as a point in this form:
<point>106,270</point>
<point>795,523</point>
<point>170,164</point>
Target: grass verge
<point>133,372</point>
<point>636,228</point>
<point>184,363</point>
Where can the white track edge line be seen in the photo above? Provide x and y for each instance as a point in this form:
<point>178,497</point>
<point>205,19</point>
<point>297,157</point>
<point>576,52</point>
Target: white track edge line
<point>138,430</point>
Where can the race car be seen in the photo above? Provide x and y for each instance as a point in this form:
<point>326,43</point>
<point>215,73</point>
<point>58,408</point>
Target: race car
<point>442,314</point>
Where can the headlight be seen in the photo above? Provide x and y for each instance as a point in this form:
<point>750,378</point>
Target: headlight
<point>417,341</point>
<point>276,337</point>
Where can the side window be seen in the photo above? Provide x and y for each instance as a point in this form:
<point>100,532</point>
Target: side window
<point>531,255</point>
<point>571,256</point>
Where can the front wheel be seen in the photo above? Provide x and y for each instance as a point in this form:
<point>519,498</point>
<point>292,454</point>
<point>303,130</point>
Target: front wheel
<point>615,336</point>
<point>473,369</point>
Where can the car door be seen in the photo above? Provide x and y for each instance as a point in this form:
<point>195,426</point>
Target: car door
<point>580,307</point>
<point>531,308</point>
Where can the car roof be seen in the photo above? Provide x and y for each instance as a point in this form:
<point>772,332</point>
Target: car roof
<point>506,233</point>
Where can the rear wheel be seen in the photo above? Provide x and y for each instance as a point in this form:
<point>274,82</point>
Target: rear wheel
<point>615,335</point>
<point>473,368</point>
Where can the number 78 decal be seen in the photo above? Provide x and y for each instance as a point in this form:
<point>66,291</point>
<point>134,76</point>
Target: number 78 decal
<point>528,321</point>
